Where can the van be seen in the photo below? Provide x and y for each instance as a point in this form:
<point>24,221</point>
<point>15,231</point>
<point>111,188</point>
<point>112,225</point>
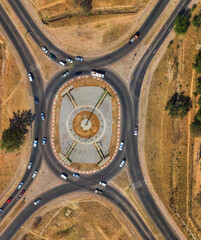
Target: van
<point>64,176</point>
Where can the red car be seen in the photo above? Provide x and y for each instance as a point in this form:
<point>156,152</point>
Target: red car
<point>9,200</point>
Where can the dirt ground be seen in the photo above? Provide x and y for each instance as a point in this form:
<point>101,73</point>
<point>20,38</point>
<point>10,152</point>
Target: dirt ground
<point>76,218</point>
<point>168,143</point>
<point>95,34</point>
<point>14,96</point>
<point>80,83</point>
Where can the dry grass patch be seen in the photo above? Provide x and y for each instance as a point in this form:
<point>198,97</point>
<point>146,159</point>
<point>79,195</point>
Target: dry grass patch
<point>110,25</point>
<point>80,220</point>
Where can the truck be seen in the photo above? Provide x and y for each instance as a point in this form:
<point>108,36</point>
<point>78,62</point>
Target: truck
<point>97,73</point>
<point>134,37</point>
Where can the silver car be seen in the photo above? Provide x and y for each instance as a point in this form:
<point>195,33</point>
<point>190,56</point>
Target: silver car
<point>37,201</point>
<point>79,58</point>
<point>34,174</point>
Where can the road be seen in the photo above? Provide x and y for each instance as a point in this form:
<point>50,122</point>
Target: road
<point>129,101</point>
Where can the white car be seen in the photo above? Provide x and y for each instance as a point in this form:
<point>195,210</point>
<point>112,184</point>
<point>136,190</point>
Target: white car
<point>121,146</point>
<point>34,174</point>
<point>122,163</point>
<point>1,210</point>
<point>136,131</point>
<point>30,165</point>
<point>35,142</point>
<point>62,63</point>
<point>30,76</point>
<point>104,184</point>
<point>76,175</point>
<point>20,185</point>
<point>37,201</point>
<point>65,74</point>
<point>70,60</point>
<point>45,50</point>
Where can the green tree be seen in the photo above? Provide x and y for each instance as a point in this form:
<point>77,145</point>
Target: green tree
<point>181,24</point>
<point>196,127</point>
<point>198,115</point>
<point>196,21</point>
<point>11,140</point>
<point>13,137</point>
<point>178,105</point>
<point>199,102</point>
<point>197,63</point>
<point>198,86</point>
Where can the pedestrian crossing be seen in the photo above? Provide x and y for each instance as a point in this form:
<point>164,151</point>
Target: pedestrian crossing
<point>34,67</point>
<point>139,184</point>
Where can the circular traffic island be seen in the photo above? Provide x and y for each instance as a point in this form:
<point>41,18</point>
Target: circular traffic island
<point>85,124</point>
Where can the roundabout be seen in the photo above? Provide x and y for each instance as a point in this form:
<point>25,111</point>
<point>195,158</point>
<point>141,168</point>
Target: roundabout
<point>85,124</point>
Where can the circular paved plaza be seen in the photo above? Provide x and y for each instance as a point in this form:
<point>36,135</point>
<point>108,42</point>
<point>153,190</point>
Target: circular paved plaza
<point>85,124</point>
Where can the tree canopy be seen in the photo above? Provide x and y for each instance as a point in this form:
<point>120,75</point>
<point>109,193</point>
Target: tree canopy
<point>181,24</point>
<point>197,63</point>
<point>13,137</point>
<point>178,105</point>
<point>197,20</point>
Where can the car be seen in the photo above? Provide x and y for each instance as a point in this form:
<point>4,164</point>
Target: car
<point>98,191</point>
<point>42,116</point>
<point>34,174</point>
<point>36,100</point>
<point>9,200</point>
<point>76,175</point>
<point>20,185</point>
<point>70,60</point>
<point>37,201</point>
<point>64,176</point>
<point>35,142</point>
<point>62,63</point>
<point>1,210</point>
<point>52,56</point>
<point>65,74</point>
<point>136,131</point>
<point>104,184</point>
<point>45,50</point>
<point>122,163</point>
<point>78,73</point>
<point>44,140</point>
<point>30,76</point>
<point>22,193</point>
<point>30,165</point>
<point>121,146</point>
<point>79,58</point>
